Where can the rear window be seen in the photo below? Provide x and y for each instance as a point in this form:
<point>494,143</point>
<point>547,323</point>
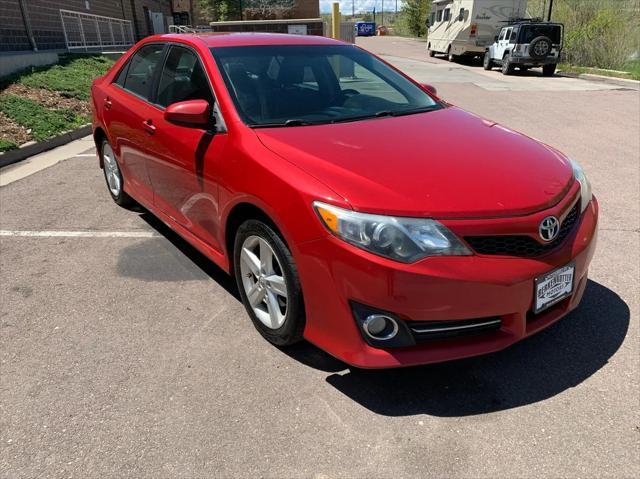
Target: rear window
<point>529,32</point>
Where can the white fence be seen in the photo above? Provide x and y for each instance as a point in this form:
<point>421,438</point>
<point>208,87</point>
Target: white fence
<point>85,31</point>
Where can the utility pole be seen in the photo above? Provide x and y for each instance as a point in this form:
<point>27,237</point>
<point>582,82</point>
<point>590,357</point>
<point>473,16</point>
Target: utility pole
<point>550,8</point>
<point>382,13</point>
<point>353,9</point>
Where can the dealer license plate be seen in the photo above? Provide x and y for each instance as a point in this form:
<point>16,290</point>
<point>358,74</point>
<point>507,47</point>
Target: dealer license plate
<point>554,287</point>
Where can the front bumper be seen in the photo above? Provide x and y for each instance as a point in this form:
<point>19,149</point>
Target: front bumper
<point>335,274</point>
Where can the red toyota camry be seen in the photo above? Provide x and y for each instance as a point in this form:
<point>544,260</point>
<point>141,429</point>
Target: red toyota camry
<point>354,207</point>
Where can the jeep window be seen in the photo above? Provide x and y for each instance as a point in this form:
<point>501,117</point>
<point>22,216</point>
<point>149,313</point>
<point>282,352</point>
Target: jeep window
<point>514,35</point>
<point>439,16</point>
<point>447,14</point>
<point>502,35</point>
<point>529,32</point>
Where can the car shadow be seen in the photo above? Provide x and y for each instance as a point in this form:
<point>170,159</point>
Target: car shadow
<point>152,260</point>
<point>542,366</point>
<point>546,364</point>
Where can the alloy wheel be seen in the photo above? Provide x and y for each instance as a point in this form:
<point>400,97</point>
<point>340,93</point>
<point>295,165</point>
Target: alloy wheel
<point>111,170</point>
<point>263,282</point>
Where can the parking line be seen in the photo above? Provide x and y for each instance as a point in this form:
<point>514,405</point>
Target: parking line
<point>81,234</point>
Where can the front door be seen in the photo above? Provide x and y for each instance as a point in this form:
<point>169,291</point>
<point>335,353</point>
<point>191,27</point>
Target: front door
<point>503,43</point>
<point>185,161</point>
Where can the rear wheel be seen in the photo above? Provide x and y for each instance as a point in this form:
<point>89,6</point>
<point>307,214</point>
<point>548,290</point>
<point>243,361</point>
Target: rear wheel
<point>507,66</point>
<point>268,282</point>
<point>450,56</point>
<point>548,70</point>
<point>431,53</point>
<point>487,63</point>
<point>113,176</point>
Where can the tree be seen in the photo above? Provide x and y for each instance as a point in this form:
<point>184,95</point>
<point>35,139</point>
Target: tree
<point>265,9</point>
<point>415,16</point>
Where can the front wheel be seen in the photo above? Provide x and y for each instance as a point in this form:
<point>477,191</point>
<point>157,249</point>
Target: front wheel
<point>548,70</point>
<point>431,53</point>
<point>268,282</point>
<point>487,63</point>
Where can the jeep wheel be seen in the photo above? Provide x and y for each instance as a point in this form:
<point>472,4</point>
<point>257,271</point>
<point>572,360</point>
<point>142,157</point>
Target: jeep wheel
<point>487,63</point>
<point>507,66</point>
<point>548,70</point>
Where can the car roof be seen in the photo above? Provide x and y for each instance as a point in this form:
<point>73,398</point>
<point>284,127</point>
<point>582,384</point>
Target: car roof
<point>232,39</point>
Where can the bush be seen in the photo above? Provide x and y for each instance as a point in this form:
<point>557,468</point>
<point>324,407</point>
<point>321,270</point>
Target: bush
<point>42,122</point>
<point>598,33</point>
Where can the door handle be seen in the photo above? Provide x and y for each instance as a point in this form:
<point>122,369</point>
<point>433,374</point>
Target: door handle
<point>107,103</point>
<point>148,126</point>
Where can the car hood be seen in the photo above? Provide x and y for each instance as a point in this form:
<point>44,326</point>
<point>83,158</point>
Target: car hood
<point>444,164</point>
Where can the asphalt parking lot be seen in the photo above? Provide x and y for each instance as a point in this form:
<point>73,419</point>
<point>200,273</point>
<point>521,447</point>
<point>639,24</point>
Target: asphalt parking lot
<point>123,352</point>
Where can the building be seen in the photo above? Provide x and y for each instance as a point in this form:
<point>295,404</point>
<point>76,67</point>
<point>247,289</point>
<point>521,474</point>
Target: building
<point>58,25</point>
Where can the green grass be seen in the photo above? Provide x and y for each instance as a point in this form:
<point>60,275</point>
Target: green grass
<point>6,145</point>
<point>71,77</point>
<point>630,70</point>
<point>43,123</point>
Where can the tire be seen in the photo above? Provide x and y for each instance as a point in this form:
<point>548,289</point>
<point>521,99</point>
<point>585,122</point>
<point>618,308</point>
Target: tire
<point>113,176</point>
<point>266,313</point>
<point>507,66</point>
<point>487,63</point>
<point>450,56</point>
<point>431,53</point>
<point>548,70</point>
<point>540,47</point>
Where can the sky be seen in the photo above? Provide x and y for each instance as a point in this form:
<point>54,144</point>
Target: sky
<point>360,5</point>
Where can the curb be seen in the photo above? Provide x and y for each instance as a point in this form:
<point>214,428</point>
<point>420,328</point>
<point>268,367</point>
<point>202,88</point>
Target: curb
<point>14,156</point>
<point>623,82</point>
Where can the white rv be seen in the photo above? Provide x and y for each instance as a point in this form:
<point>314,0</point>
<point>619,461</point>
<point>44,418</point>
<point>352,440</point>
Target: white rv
<point>468,27</point>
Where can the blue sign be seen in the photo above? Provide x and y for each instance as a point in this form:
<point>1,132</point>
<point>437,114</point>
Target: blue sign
<point>365,29</point>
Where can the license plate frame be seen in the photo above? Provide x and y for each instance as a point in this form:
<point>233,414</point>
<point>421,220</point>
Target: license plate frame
<point>541,300</point>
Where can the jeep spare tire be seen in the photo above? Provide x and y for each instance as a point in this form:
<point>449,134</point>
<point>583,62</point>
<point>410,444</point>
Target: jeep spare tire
<point>540,47</point>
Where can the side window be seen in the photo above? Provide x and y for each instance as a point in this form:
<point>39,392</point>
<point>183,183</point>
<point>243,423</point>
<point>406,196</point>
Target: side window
<point>183,78</point>
<point>507,34</point>
<point>141,69</point>
<point>432,18</point>
<point>461,15</point>
<point>439,16</point>
<point>514,35</point>
<point>502,33</point>
<point>122,75</point>
<point>447,14</point>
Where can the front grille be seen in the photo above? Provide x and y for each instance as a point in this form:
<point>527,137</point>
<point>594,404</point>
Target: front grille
<point>522,245</point>
<point>425,330</point>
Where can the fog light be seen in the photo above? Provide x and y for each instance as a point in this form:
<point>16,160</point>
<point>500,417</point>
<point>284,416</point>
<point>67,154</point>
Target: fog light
<point>380,327</point>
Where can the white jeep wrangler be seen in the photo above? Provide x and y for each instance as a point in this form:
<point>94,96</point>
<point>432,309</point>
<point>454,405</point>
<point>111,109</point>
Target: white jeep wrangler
<point>526,44</point>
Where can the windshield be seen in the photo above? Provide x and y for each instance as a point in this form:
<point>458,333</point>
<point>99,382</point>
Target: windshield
<point>529,32</point>
<point>292,85</point>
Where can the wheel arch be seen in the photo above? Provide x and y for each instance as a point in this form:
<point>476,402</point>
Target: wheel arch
<point>238,214</point>
<point>99,136</point>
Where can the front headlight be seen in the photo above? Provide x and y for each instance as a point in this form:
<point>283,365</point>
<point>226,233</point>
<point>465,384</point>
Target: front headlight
<point>398,238</point>
<point>585,186</point>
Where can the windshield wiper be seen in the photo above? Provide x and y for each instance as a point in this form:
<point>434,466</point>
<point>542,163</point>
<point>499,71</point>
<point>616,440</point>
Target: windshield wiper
<point>297,122</point>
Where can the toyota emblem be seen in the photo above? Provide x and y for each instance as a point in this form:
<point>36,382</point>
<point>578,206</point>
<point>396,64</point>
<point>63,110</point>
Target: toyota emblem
<point>549,228</point>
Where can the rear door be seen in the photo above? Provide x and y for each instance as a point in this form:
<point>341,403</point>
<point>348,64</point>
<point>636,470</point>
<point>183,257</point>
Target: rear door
<point>126,107</point>
<point>185,162</point>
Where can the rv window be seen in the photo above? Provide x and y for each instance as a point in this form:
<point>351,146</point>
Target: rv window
<point>447,14</point>
<point>461,15</point>
<point>439,16</point>
<point>432,18</point>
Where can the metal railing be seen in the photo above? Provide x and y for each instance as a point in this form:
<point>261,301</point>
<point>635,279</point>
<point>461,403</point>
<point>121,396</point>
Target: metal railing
<point>84,31</point>
<point>181,29</point>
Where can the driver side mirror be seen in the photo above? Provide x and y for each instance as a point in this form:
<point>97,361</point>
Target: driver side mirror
<point>429,89</point>
<point>195,113</point>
